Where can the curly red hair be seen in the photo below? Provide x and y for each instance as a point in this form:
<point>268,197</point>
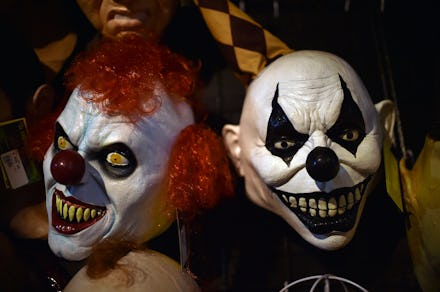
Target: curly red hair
<point>123,75</point>
<point>199,173</point>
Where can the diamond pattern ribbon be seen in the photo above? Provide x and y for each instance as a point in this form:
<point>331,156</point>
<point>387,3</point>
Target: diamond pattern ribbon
<point>245,44</point>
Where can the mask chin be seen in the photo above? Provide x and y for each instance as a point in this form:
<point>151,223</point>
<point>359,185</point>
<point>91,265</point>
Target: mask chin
<point>334,240</point>
<point>328,224</point>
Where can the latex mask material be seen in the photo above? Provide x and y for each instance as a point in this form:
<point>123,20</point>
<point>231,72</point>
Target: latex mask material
<point>308,145</point>
<point>148,18</point>
<point>103,175</point>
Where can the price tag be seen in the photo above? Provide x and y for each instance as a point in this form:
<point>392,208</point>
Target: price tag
<point>14,169</point>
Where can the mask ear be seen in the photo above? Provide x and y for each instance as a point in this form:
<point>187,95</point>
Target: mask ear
<point>230,137</point>
<point>387,115</point>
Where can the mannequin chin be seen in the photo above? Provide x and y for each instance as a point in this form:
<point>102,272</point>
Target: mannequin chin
<point>142,271</point>
<point>145,18</point>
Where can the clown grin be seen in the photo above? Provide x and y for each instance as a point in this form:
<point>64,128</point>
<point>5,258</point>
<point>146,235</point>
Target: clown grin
<point>70,215</point>
<point>323,213</point>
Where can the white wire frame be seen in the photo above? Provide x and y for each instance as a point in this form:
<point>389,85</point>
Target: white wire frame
<point>326,278</point>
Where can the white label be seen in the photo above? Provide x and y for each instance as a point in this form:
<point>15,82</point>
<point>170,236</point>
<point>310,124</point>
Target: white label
<point>14,168</point>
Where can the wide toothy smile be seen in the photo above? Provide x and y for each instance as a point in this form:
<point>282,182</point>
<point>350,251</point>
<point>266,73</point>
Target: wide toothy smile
<point>326,212</point>
<point>70,215</point>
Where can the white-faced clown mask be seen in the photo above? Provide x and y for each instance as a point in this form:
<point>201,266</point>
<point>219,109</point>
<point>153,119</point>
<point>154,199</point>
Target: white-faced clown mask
<point>103,174</point>
<point>309,145</point>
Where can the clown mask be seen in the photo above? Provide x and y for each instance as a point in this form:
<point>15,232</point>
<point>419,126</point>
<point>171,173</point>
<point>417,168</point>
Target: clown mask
<point>103,174</point>
<point>309,145</point>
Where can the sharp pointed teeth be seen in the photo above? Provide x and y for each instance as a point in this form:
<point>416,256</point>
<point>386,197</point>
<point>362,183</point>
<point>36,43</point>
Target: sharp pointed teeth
<point>285,198</point>
<point>350,200</point>
<point>293,203</point>
<point>65,211</point>
<point>342,205</point>
<point>71,213</point>
<point>74,213</point>
<point>86,214</point>
<point>79,214</point>
<point>57,203</point>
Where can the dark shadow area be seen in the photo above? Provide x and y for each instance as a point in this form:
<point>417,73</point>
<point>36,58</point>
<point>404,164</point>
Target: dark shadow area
<point>239,246</point>
<point>393,48</point>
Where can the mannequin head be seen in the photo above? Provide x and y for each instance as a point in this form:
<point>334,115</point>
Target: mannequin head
<point>309,145</point>
<point>147,18</point>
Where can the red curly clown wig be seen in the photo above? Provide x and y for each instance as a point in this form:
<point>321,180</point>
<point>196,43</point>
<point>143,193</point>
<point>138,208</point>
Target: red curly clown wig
<point>122,75</point>
<point>199,171</point>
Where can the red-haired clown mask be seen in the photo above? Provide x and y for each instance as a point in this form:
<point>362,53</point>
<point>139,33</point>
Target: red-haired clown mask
<point>309,145</point>
<point>103,174</point>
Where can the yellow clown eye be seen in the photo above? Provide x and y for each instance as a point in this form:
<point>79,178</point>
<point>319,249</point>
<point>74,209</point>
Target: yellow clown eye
<point>350,135</point>
<point>117,159</point>
<point>63,143</point>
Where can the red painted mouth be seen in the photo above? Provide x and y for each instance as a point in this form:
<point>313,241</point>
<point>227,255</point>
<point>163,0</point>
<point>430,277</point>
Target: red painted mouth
<point>70,215</point>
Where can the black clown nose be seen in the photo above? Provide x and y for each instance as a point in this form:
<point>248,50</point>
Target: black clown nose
<point>322,164</point>
<point>67,167</point>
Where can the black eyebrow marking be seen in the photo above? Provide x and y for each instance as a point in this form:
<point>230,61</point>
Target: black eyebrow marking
<point>279,129</point>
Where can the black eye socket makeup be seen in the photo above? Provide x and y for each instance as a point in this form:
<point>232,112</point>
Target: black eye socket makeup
<point>349,129</point>
<point>282,139</point>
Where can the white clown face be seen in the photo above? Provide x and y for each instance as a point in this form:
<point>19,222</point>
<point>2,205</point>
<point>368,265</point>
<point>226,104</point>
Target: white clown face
<point>308,145</point>
<point>103,175</point>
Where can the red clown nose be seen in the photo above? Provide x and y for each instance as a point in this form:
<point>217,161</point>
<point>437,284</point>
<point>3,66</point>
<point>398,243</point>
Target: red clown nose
<point>67,167</point>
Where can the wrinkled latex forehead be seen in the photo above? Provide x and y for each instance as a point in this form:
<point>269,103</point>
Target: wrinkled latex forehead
<point>165,122</point>
<point>319,72</point>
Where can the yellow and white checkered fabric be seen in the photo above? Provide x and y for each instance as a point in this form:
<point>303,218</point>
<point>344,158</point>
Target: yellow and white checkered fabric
<point>245,44</point>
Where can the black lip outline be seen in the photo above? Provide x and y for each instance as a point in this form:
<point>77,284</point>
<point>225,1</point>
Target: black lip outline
<point>321,226</point>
